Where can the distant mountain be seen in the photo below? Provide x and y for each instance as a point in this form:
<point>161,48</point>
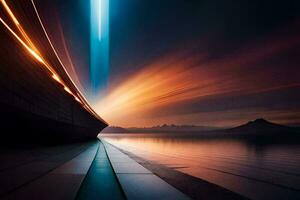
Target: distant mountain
<point>171,128</point>
<point>259,129</point>
<point>159,129</point>
<point>114,129</point>
<point>263,128</point>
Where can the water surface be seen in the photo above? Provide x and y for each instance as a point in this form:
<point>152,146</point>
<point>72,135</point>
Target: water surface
<point>257,171</point>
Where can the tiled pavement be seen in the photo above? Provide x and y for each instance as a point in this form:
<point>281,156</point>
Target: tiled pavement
<point>136,181</point>
<point>88,171</point>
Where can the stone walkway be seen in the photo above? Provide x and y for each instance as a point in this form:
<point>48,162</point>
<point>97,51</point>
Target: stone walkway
<point>137,182</point>
<point>94,170</point>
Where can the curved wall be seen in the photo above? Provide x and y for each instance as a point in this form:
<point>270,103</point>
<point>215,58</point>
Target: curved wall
<point>33,107</point>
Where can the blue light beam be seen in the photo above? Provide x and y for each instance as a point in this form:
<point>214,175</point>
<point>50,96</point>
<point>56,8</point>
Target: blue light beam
<point>99,45</point>
<point>100,20</point>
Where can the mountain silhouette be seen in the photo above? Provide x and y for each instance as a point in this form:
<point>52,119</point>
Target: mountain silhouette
<point>159,129</point>
<point>114,129</point>
<point>259,129</point>
<point>263,128</point>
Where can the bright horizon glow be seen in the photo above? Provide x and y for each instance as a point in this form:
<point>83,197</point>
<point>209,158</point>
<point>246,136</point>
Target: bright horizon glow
<point>163,91</point>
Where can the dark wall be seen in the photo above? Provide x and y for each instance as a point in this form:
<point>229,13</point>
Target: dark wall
<point>34,107</point>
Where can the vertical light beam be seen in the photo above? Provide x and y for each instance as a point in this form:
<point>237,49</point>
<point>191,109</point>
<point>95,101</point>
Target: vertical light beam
<point>99,46</point>
<point>100,20</point>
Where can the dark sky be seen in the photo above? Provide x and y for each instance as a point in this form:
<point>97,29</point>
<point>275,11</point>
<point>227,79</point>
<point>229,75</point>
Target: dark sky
<point>141,30</point>
<point>206,62</point>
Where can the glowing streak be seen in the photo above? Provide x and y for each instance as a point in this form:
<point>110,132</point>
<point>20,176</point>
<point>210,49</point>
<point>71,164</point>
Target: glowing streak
<point>69,59</point>
<point>80,97</point>
<point>100,20</point>
<point>99,46</point>
<point>54,50</point>
<point>36,56</point>
<point>10,12</point>
<point>55,77</point>
<point>18,25</point>
<point>77,99</point>
<point>68,90</point>
<point>32,52</point>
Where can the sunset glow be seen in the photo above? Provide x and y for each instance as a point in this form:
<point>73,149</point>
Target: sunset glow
<point>170,99</point>
<point>161,91</point>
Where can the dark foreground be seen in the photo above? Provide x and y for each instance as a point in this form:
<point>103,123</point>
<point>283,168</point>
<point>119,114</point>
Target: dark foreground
<point>58,172</point>
<point>89,170</point>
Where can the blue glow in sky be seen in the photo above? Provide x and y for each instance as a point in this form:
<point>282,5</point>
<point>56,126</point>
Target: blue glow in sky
<point>99,44</point>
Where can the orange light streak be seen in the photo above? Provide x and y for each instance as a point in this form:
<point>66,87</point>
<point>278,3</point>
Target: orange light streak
<point>20,28</point>
<point>80,97</point>
<point>166,82</point>
<point>68,90</point>
<point>32,52</point>
<point>147,97</point>
<point>76,98</point>
<point>55,77</point>
<point>35,53</point>
<point>10,12</point>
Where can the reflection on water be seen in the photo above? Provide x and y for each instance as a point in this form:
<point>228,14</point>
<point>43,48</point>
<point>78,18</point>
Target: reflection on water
<point>256,171</point>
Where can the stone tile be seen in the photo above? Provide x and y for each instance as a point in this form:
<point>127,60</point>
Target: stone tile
<point>50,187</point>
<point>121,160</point>
<point>148,187</point>
<point>138,182</point>
<point>132,168</point>
<point>100,182</point>
<point>62,182</point>
<point>79,164</point>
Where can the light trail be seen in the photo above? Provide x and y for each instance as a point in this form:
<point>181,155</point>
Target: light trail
<point>100,20</point>
<point>80,97</point>
<point>31,48</point>
<point>32,52</point>
<point>68,90</point>
<point>69,60</point>
<point>76,98</point>
<point>99,46</point>
<point>184,86</point>
<point>55,76</point>
<point>10,12</point>
<point>19,27</point>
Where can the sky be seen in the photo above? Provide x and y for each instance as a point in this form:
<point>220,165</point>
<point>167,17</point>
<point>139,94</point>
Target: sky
<point>202,62</point>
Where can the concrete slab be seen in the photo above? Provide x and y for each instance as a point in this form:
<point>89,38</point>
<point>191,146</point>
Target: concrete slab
<point>100,182</point>
<point>138,182</point>
<point>80,164</point>
<point>120,159</point>
<point>129,168</point>
<point>26,165</point>
<point>122,163</point>
<point>61,187</point>
<point>61,183</point>
<point>148,187</point>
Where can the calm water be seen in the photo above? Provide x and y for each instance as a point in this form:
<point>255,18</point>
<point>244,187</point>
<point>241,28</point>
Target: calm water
<point>255,171</point>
